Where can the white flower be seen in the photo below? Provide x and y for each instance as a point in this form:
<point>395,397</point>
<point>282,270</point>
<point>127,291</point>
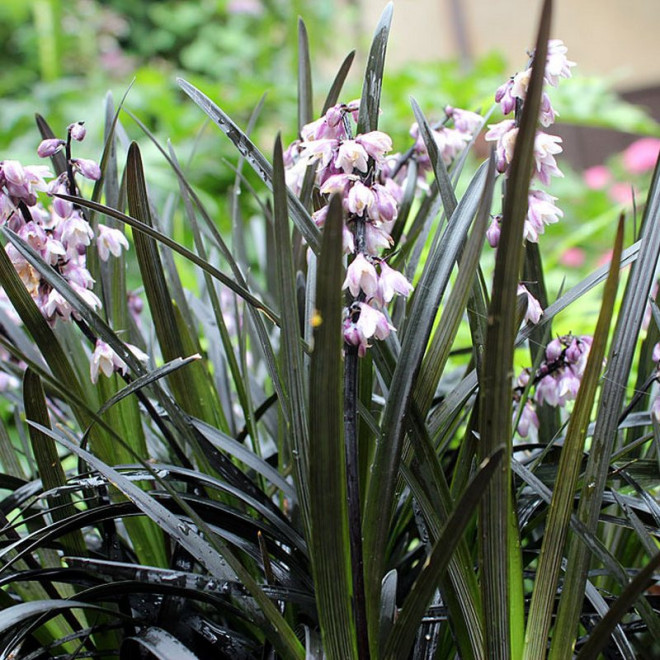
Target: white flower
<point>110,241</point>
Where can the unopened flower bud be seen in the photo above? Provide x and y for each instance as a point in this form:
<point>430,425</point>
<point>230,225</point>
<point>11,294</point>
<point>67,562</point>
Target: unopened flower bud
<point>49,147</point>
<point>77,131</point>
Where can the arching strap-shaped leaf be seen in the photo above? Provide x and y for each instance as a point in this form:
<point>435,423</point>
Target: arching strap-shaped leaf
<point>338,82</point>
<point>256,159</point>
<point>373,76</point>
<point>158,643</point>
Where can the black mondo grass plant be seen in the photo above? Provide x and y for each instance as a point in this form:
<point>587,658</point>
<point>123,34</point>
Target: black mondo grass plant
<point>300,459</point>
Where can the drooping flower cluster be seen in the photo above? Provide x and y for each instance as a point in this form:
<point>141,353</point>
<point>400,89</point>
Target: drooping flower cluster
<point>556,381</point>
<point>58,232</point>
<point>353,167</point>
<point>511,95</point>
<point>450,141</point>
<point>369,179</point>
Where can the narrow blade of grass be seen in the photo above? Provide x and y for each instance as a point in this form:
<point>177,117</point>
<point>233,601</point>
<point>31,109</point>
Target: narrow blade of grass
<point>256,160</point>
<point>407,624</point>
<point>605,433</point>
<point>373,76</point>
<point>305,95</point>
<point>561,506</point>
<point>48,462</point>
<point>290,341</point>
<point>330,548</point>
<point>495,403</point>
<point>338,82</point>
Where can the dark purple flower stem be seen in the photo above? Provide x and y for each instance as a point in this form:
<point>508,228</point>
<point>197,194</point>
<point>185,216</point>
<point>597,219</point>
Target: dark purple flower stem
<point>351,426</point>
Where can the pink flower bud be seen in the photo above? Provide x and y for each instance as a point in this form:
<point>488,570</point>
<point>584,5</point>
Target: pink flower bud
<point>49,147</point>
<point>88,168</point>
<point>77,131</point>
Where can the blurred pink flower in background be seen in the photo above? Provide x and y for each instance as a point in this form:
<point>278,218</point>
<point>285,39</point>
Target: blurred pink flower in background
<point>597,177</point>
<point>622,193</point>
<point>641,155</point>
<point>572,257</point>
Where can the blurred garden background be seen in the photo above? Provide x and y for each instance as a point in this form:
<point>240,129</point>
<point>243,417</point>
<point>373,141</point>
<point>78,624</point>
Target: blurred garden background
<point>60,59</point>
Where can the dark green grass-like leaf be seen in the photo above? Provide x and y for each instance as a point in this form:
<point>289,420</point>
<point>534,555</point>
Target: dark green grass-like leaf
<point>502,591</point>
<point>290,341</point>
<point>39,329</point>
<point>373,76</point>
<point>45,454</point>
<point>407,624</point>
<point>600,634</point>
<point>338,82</point>
<point>330,549</point>
<point>203,551</point>
<point>605,433</point>
<point>559,512</point>
<point>421,316</point>
<point>305,94</point>
<point>158,643</point>
<point>41,610</point>
<point>241,291</point>
<point>58,159</point>
<point>442,340</point>
<point>241,453</point>
<point>427,482</point>
<point>442,179</point>
<point>192,390</point>
<point>256,159</point>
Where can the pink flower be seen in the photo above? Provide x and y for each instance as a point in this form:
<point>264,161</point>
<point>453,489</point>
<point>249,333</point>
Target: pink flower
<point>504,133</point>
<point>375,143</point>
<point>384,208</point>
<point>76,232</point>
<point>534,309</point>
<point>361,276</point>
<point>376,238</point>
<point>528,419</point>
<point>88,168</point>
<point>351,156</point>
<point>572,257</point>
<point>322,149</point>
<point>106,361</point>
<point>359,198</point>
<point>505,98</point>
<point>464,120</point>
<point>597,177</point>
<point>641,155</point>
<point>110,241</point>
<point>494,230</point>
<point>547,114</point>
<point>546,146</point>
<point>622,193</point>
<point>390,282</point>
<point>541,211</point>
<point>557,64</point>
